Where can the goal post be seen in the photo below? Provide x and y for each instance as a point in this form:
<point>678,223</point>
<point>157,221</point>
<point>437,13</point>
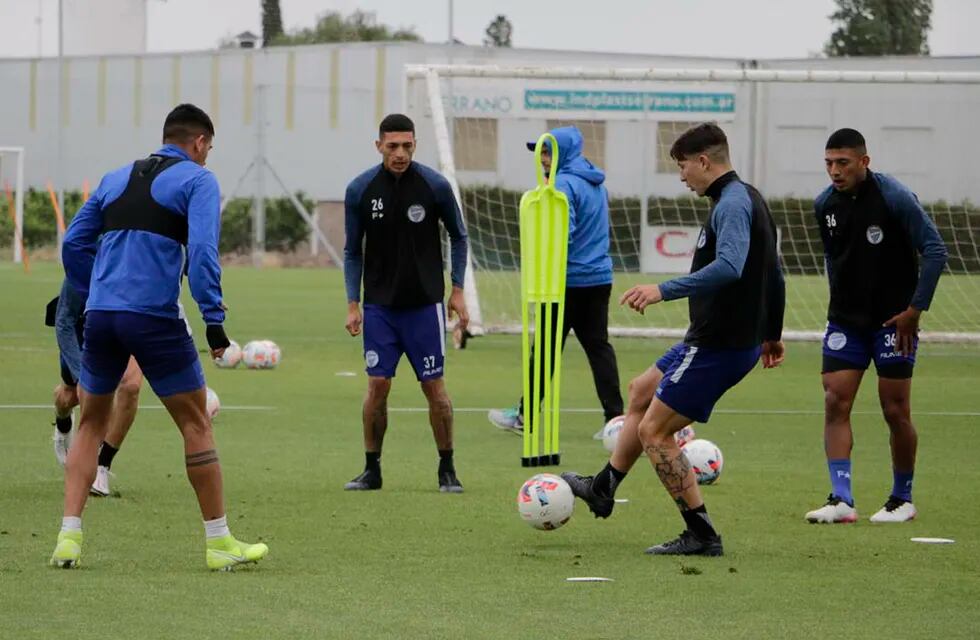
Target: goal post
<point>777,121</point>
<point>12,193</point>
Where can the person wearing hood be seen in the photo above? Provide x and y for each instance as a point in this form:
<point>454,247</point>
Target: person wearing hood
<point>589,276</point>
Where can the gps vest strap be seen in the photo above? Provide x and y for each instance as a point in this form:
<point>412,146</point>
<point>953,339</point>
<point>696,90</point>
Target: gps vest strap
<point>136,209</point>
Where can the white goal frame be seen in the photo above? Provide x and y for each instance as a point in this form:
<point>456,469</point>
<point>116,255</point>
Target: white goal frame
<point>433,74</point>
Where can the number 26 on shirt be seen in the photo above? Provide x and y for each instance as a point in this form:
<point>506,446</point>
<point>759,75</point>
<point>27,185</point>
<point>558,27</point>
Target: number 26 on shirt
<point>377,208</point>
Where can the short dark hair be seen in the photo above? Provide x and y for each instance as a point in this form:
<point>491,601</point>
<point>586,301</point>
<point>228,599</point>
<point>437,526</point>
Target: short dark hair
<point>847,139</point>
<point>186,121</point>
<point>395,122</point>
<point>707,138</point>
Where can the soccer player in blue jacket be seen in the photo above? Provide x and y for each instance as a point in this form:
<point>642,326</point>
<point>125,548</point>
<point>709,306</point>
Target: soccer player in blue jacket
<point>393,213</point>
<point>873,230</point>
<point>125,253</point>
<point>589,273</point>
<point>736,296</point>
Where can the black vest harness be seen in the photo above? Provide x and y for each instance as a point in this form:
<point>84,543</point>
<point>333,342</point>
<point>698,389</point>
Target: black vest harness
<point>136,209</point>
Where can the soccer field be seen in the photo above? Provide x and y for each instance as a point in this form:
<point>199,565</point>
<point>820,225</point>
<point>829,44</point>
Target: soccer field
<point>409,562</point>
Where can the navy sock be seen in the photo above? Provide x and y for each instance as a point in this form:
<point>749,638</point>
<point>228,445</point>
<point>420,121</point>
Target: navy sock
<point>699,523</point>
<point>106,453</point>
<point>446,461</point>
<point>902,485</point>
<point>63,424</point>
<point>840,479</point>
<point>607,481</point>
<point>372,461</point>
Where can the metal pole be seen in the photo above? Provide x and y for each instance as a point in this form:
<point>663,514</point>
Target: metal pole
<point>315,231</point>
<point>452,37</point>
<point>40,28</point>
<point>59,160</point>
<point>258,202</point>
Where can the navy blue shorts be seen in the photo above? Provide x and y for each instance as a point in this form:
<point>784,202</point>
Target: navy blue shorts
<point>163,348</point>
<point>695,378</point>
<point>845,348</point>
<point>417,332</point>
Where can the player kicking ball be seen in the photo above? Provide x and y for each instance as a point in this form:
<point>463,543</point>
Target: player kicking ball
<point>736,297</point>
<point>392,216</point>
<point>125,253</point>
<point>873,230</point>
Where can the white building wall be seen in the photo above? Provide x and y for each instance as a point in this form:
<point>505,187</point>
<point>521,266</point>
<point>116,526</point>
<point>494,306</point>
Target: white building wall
<point>321,106</point>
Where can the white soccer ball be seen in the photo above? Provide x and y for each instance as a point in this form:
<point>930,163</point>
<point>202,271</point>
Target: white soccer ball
<point>545,502</point>
<point>213,403</point>
<point>705,458</point>
<point>610,434</point>
<point>231,357</point>
<point>261,354</point>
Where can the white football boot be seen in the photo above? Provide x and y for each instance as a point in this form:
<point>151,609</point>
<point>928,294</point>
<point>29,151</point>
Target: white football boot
<point>895,510</point>
<point>62,442</point>
<point>835,511</point>
<point>101,485</point>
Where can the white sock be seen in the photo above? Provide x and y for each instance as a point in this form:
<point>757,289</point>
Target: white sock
<point>217,528</point>
<point>71,523</point>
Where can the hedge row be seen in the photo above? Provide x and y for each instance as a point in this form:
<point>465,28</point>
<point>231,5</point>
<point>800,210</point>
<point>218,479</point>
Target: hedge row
<point>284,228</point>
<point>491,218</point>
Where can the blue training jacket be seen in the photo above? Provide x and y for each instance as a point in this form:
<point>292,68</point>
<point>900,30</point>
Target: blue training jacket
<point>140,271</point>
<point>589,263</point>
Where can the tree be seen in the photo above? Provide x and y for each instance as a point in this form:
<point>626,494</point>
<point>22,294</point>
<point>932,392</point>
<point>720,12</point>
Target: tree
<point>499,32</point>
<point>271,21</point>
<point>359,26</point>
<point>880,27</point>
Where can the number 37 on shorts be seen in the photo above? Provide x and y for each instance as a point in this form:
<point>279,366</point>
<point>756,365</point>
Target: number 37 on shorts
<point>417,332</point>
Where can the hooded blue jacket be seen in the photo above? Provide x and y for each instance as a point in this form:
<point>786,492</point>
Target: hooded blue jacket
<point>589,263</point>
<point>140,271</point>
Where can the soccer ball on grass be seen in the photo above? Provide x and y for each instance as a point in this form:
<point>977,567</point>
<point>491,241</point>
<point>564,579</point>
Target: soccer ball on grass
<point>545,502</point>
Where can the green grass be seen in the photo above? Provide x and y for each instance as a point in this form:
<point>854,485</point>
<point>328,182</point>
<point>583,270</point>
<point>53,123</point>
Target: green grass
<point>408,562</point>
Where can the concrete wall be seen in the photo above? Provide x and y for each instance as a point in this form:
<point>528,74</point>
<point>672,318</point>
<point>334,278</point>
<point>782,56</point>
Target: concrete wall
<point>321,106</point>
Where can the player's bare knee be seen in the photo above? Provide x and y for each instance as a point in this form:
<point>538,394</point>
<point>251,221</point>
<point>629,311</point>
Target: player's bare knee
<point>653,434</point>
<point>129,388</point>
<point>378,389</point>
<point>640,393</point>
<point>837,406</point>
<point>897,415</point>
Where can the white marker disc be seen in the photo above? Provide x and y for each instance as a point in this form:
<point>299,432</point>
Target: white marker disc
<point>622,500</point>
<point>933,540</point>
<point>589,579</point>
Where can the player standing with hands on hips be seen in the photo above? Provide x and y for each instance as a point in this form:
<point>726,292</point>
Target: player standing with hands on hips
<point>392,216</point>
<point>873,229</point>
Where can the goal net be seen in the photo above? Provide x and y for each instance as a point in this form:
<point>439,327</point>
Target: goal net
<point>12,196</point>
<point>777,122</point>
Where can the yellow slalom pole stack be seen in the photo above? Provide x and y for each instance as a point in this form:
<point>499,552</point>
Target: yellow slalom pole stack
<point>544,256</point>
